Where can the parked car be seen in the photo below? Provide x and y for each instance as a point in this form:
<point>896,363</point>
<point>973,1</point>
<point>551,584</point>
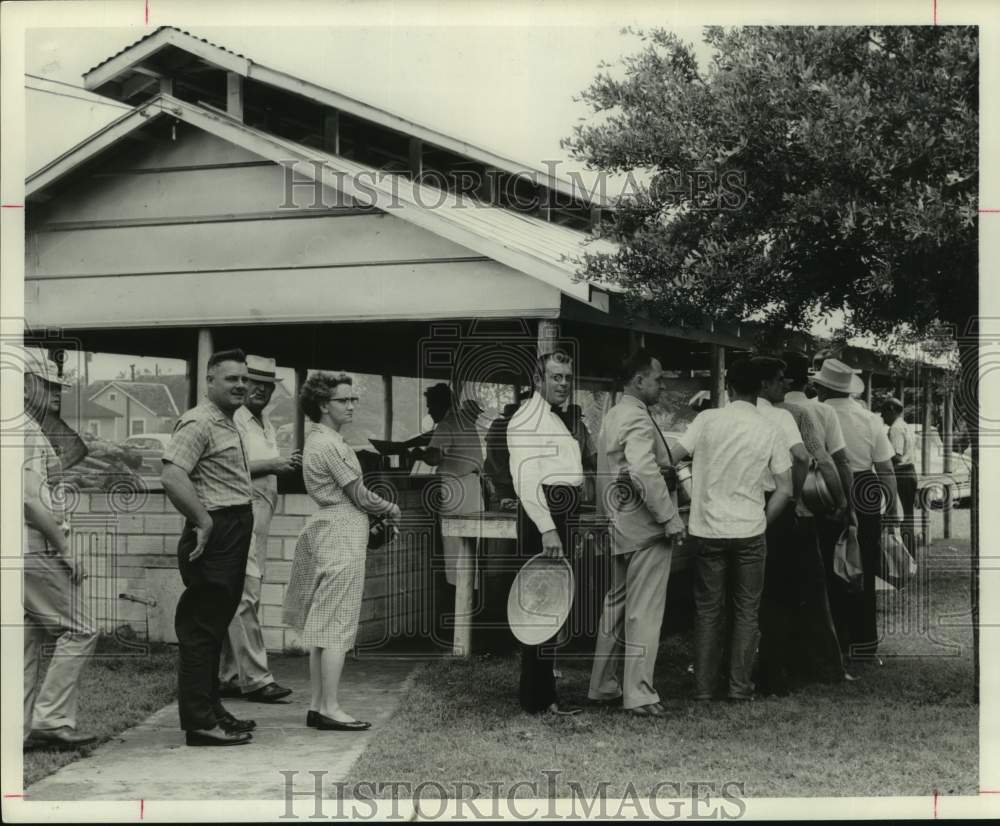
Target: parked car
<point>932,484</point>
<point>150,447</point>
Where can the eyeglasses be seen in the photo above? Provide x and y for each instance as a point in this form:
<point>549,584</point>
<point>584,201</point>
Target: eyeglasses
<point>346,399</point>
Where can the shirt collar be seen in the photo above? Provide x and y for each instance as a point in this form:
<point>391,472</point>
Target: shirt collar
<point>838,401</point>
<point>763,403</point>
<point>745,404</point>
<point>633,400</point>
<point>793,396</point>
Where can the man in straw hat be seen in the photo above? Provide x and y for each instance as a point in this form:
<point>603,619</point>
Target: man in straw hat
<point>869,455</point>
<point>547,473</point>
<point>53,605</point>
<point>243,670</point>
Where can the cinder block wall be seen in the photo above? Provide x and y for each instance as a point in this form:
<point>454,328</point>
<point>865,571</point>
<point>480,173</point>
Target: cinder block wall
<point>130,546</point>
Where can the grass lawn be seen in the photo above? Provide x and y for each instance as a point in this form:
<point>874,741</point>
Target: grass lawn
<point>907,728</point>
<point>120,688</point>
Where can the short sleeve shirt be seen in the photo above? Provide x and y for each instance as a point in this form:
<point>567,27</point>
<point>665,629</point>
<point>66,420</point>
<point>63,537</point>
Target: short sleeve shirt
<point>902,440</point>
<point>732,451</point>
<point>328,466</point>
<point>261,443</point>
<point>833,435</point>
<point>864,434</point>
<point>209,448</point>
<point>40,457</point>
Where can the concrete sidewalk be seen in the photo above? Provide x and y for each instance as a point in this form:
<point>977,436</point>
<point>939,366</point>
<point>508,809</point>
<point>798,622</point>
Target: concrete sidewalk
<point>151,761</point>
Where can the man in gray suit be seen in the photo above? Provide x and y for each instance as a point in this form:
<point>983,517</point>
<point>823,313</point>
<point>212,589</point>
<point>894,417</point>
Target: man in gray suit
<point>644,524</point>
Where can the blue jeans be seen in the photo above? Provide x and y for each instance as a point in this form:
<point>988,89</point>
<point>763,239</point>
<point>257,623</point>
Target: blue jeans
<point>727,573</point>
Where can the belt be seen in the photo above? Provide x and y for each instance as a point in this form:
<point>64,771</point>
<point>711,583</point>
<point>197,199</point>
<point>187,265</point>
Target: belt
<point>231,509</point>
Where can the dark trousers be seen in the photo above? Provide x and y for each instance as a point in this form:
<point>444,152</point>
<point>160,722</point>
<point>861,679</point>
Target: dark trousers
<point>854,615</point>
<point>728,573</point>
<point>538,683</point>
<point>213,586</point>
<point>779,604</point>
<point>906,485</point>
<point>815,641</point>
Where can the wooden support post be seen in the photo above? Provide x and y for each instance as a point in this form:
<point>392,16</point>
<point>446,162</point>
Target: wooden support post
<point>947,439</point>
<point>416,158</point>
<point>387,392</point>
<point>301,373</point>
<point>718,367</point>
<point>234,95</point>
<point>331,132</point>
<point>548,335</point>
<point>868,388</point>
<point>201,369</point>
<point>901,390</point>
<point>465,573</point>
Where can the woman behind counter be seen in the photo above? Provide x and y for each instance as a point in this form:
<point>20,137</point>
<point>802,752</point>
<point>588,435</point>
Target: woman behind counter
<point>323,599</point>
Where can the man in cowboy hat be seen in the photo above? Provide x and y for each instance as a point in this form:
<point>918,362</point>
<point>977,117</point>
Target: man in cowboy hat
<point>53,605</point>
<point>867,448</point>
<point>243,670</point>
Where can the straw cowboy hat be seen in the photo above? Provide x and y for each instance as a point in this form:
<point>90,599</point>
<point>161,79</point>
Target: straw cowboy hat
<point>37,362</point>
<point>540,599</point>
<point>260,368</point>
<point>835,375</point>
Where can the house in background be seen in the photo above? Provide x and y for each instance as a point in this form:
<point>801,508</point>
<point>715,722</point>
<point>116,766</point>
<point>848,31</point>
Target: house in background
<point>140,407</point>
<point>86,416</point>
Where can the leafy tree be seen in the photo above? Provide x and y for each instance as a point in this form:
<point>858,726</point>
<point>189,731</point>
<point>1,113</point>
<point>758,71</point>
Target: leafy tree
<point>803,172</point>
<point>807,170</point>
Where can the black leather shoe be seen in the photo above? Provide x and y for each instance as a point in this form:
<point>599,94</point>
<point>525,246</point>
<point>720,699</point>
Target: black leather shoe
<point>270,693</point>
<point>230,723</point>
<point>216,737</point>
<point>312,719</point>
<point>324,723</point>
<point>60,738</point>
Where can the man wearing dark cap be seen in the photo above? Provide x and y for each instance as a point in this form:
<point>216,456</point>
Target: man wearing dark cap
<point>206,475</point>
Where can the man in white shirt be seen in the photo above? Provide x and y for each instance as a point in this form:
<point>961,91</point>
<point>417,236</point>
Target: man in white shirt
<point>867,447</point>
<point>547,473</point>
<point>733,450</point>
<point>243,669</point>
<point>904,444</point>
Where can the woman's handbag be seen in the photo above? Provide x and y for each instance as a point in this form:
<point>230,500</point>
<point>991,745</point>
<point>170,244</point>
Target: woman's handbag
<point>898,567</point>
<point>380,532</point>
<point>847,560</point>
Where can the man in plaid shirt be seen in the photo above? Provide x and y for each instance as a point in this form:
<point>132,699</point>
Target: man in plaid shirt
<point>206,475</point>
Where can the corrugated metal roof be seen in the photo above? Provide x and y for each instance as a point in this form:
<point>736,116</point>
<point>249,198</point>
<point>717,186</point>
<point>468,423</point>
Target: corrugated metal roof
<point>156,32</point>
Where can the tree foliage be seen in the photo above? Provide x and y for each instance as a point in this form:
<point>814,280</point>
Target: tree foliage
<point>803,171</point>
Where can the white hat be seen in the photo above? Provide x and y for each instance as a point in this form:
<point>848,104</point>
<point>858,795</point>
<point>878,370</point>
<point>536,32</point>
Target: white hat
<point>37,362</point>
<point>835,375</point>
<point>260,368</point>
<point>540,599</point>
